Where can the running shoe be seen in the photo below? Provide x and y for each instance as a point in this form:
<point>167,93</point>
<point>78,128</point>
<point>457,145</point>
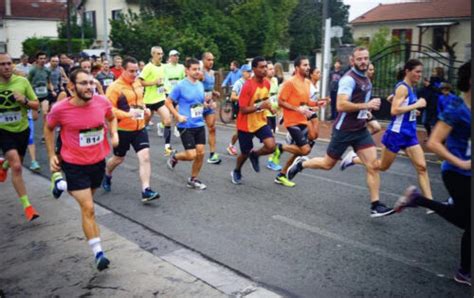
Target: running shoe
<point>276,155</point>
<point>448,202</point>
<point>196,184</point>
<point>30,213</point>
<point>407,200</point>
<point>296,167</point>
<point>168,151</point>
<point>272,166</point>
<point>282,180</point>
<point>380,210</point>
<point>160,129</point>
<point>176,132</point>
<point>107,183</point>
<point>232,150</point>
<point>348,160</point>
<point>101,261</point>
<point>236,177</point>
<point>254,161</point>
<point>55,179</point>
<point>149,195</point>
<point>172,161</point>
<point>463,278</point>
<point>214,159</point>
<point>35,167</point>
<point>3,169</point>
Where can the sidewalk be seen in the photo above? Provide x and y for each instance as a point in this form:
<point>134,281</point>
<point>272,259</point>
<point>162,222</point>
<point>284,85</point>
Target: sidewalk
<point>50,256</point>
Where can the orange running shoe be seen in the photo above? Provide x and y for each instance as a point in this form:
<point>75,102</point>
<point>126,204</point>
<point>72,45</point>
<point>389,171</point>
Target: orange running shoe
<point>31,213</point>
<point>3,172</point>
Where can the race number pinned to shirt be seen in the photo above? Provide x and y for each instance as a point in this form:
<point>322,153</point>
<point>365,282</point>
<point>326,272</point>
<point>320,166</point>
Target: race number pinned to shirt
<point>41,91</point>
<point>412,116</point>
<point>107,82</point>
<point>363,114</point>
<point>161,89</point>
<point>197,110</point>
<point>138,112</point>
<point>10,117</point>
<point>91,137</point>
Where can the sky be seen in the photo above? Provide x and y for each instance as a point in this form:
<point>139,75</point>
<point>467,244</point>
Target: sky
<point>359,7</point>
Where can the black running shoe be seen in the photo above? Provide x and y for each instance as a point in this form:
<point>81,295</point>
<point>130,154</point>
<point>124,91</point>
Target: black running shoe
<point>380,210</point>
<point>254,161</point>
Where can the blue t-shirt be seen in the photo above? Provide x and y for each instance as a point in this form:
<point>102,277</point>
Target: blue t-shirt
<point>444,100</point>
<point>209,81</point>
<point>405,123</point>
<point>458,116</point>
<point>190,99</point>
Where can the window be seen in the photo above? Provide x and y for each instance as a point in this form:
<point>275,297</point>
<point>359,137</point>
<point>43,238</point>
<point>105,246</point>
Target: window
<point>89,18</point>
<point>438,38</point>
<point>404,35</point>
<point>116,14</point>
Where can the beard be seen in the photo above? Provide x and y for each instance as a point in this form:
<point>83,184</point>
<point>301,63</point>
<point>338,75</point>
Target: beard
<point>360,69</point>
<point>84,96</point>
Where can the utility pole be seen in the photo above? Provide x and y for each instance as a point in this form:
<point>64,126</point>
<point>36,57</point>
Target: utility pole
<point>106,33</point>
<point>326,52</point>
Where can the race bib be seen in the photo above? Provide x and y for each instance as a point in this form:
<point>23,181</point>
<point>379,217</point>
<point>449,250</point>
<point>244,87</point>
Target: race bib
<point>363,114</point>
<point>107,82</point>
<point>161,89</point>
<point>468,149</point>
<point>197,111</point>
<point>10,117</point>
<point>412,115</point>
<point>91,137</point>
<point>138,113</point>
<point>41,91</point>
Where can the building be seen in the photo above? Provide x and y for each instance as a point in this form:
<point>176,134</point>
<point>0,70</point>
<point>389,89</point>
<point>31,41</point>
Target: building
<point>92,11</point>
<point>432,23</point>
<point>22,19</point>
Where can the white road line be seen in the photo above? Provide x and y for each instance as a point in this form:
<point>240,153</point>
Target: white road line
<point>356,244</point>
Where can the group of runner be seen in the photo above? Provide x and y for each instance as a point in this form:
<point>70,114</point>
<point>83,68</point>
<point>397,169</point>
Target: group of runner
<point>187,94</point>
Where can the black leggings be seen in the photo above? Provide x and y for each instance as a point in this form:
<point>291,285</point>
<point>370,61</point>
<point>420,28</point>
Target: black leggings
<point>459,214</point>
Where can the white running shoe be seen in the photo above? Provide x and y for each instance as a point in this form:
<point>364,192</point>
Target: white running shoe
<point>348,160</point>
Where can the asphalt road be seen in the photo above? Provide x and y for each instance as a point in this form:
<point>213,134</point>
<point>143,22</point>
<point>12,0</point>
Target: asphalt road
<point>315,239</point>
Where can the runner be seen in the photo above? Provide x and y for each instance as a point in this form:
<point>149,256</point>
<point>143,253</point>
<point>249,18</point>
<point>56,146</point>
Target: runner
<point>16,97</point>
<point>209,113</point>
<point>246,71</point>
<point>125,93</point>
<point>401,132</point>
<point>188,95</point>
<point>83,151</point>
<point>350,129</point>
<point>86,65</point>
<point>174,72</point>
<point>294,99</point>
<point>56,77</point>
<point>105,76</point>
<point>117,69</point>
<point>153,79</point>
<point>251,120</point>
<point>451,140</point>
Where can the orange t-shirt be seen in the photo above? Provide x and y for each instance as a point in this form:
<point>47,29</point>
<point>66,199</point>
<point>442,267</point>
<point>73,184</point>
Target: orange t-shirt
<point>126,97</point>
<point>295,92</point>
<point>253,92</point>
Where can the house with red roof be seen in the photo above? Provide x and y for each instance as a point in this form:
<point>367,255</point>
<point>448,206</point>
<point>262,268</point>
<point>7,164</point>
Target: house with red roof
<point>438,24</point>
<point>21,19</point>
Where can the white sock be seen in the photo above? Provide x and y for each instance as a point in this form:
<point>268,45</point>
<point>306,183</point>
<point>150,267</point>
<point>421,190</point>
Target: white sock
<point>167,146</point>
<point>94,243</point>
<point>61,185</point>
<point>144,188</point>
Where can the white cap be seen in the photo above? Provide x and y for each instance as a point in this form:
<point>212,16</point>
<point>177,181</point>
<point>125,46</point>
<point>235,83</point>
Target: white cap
<point>173,52</point>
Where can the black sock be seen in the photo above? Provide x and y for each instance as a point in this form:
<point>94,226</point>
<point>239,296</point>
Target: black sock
<point>211,154</point>
<point>374,204</point>
<point>167,134</point>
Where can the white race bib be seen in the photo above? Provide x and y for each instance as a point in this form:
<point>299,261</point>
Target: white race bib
<point>138,113</point>
<point>363,114</point>
<point>91,137</point>
<point>41,91</point>
<point>107,82</point>
<point>161,90</point>
<point>412,116</point>
<point>197,111</point>
<point>10,117</point>
<point>468,149</point>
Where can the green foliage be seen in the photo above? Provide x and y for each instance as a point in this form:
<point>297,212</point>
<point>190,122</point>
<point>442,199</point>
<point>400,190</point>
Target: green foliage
<point>380,41</point>
<point>75,29</point>
<point>52,46</point>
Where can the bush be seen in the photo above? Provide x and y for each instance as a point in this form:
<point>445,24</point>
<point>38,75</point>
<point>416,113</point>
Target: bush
<point>50,46</point>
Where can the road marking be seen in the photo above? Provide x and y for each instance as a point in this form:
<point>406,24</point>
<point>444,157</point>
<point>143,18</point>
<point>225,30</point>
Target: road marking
<point>356,244</point>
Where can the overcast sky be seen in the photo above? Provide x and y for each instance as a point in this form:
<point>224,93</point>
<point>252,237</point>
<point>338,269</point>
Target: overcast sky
<point>359,7</point>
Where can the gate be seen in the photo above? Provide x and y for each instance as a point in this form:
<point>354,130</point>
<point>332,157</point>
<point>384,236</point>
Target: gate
<point>390,60</point>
